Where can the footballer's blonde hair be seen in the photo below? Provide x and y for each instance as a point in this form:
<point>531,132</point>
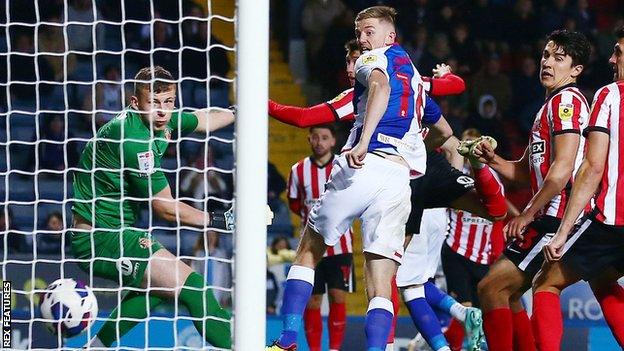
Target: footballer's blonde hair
<point>382,13</point>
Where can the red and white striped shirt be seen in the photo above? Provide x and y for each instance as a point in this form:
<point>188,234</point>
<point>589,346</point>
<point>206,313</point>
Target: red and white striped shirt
<point>565,111</point>
<point>306,183</point>
<point>606,114</point>
<point>471,236</point>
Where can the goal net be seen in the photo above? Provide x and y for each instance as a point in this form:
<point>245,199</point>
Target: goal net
<point>67,68</point>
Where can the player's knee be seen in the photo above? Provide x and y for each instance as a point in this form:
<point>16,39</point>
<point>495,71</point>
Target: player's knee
<point>488,288</point>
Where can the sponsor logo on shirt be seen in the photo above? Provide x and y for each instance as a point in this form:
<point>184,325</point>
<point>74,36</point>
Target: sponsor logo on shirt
<point>369,59</point>
<point>386,139</point>
<point>566,111</point>
<point>146,162</point>
<point>537,151</point>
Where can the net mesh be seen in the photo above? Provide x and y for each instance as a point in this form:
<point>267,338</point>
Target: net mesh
<point>66,69</point>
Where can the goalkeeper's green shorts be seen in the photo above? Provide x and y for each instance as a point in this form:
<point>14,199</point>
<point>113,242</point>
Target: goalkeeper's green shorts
<point>122,261</point>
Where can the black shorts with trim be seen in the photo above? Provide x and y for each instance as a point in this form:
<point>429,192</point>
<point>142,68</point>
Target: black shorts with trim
<point>462,276</point>
<point>334,272</point>
<point>593,246</point>
<point>439,187</point>
<point>527,253</point>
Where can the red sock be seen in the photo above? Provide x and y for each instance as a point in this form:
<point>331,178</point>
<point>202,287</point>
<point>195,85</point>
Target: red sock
<point>313,328</point>
<point>498,329</point>
<point>523,339</point>
<point>337,323</point>
<point>547,321</point>
<point>396,304</point>
<point>611,301</point>
<point>491,191</point>
<point>455,335</point>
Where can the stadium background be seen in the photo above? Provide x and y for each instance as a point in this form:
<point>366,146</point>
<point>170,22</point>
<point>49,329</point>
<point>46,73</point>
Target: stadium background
<point>494,45</point>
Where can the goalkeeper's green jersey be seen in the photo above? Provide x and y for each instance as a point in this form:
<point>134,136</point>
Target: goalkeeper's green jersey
<point>120,169</point>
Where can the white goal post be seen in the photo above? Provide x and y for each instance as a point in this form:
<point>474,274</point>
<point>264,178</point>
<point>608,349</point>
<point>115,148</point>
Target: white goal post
<point>252,53</point>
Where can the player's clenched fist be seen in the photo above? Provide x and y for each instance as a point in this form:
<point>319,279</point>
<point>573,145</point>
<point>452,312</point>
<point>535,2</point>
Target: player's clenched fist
<point>355,156</point>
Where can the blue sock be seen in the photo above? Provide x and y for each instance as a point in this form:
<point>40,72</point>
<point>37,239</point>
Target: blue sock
<point>297,292</point>
<point>433,294</point>
<point>424,318</point>
<point>378,323</point>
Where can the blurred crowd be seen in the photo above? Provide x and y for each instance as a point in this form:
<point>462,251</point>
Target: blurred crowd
<point>495,45</point>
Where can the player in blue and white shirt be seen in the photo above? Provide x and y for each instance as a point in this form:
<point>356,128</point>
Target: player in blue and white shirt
<point>375,188</point>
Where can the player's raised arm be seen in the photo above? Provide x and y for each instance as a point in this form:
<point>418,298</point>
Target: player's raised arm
<point>513,171</point>
<point>303,117</point>
<point>209,120</point>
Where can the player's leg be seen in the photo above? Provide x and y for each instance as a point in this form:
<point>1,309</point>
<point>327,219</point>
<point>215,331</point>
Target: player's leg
<point>503,281</point>
<point>312,320</point>
<point>610,296</point>
<point>299,285</point>
<point>379,271</point>
<point>169,277</point>
<point>135,305</point>
<point>523,339</point>
<point>410,278</point>
<point>337,320</point>
<point>467,320</point>
<point>339,282</point>
<point>547,319</point>
<point>121,257</point>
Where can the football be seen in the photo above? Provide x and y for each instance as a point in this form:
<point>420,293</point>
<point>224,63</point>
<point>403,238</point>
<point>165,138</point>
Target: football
<point>69,307</point>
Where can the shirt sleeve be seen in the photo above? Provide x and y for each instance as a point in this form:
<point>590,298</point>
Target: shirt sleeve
<point>432,112</point>
<point>293,183</point>
<point>599,116</point>
<point>142,170</point>
<point>342,105</point>
<point>568,112</point>
<point>367,63</point>
<point>185,122</point>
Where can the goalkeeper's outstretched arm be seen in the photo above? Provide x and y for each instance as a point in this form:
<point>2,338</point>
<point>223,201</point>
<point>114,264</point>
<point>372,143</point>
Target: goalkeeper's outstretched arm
<point>172,210</point>
<point>210,120</point>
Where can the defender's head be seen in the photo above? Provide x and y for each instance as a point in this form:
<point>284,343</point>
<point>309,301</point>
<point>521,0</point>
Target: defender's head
<point>374,27</point>
<point>564,57</point>
<point>353,53</point>
<point>617,57</point>
<point>154,96</point>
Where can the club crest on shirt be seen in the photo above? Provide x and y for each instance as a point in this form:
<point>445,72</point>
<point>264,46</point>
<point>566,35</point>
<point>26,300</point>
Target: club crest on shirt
<point>566,111</point>
<point>369,59</point>
<point>146,162</point>
<point>168,133</point>
<point>338,98</point>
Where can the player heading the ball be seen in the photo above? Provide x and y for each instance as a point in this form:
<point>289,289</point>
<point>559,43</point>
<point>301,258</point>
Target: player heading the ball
<point>119,170</point>
<point>370,180</point>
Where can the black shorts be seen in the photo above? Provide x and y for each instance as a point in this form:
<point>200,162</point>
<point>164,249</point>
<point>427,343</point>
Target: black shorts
<point>527,254</point>
<point>462,276</point>
<point>439,187</point>
<point>334,272</point>
<point>594,247</point>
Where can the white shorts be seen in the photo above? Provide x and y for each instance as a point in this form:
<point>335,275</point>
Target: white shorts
<point>378,194</point>
<point>422,255</point>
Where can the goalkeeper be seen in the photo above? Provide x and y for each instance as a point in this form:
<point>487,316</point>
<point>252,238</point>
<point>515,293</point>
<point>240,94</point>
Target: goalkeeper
<point>118,172</point>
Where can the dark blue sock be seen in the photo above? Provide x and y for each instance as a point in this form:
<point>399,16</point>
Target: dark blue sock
<point>378,323</point>
<point>433,294</point>
<point>296,295</point>
<point>426,322</point>
<point>377,328</point>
